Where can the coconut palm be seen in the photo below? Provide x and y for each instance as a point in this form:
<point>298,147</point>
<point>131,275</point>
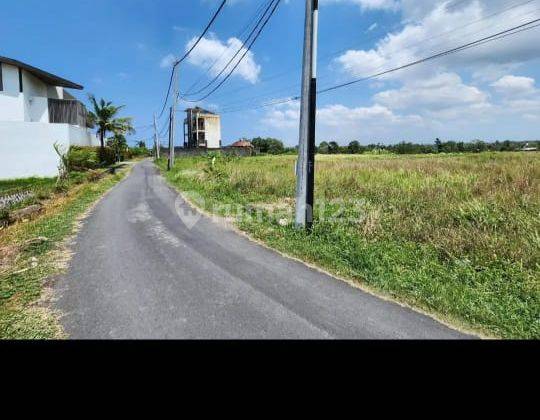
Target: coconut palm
<point>119,144</point>
<point>105,118</point>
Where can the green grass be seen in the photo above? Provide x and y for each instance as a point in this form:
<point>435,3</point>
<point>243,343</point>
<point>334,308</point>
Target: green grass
<point>32,184</point>
<point>25,266</point>
<point>455,235</point>
<point>41,188</point>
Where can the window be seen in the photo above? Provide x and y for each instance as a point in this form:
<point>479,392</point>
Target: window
<point>20,81</point>
<point>1,80</point>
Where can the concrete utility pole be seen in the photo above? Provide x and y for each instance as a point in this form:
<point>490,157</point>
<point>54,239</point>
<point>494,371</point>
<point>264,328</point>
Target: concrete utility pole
<point>176,94</point>
<point>170,162</point>
<point>306,152</point>
<point>156,138</point>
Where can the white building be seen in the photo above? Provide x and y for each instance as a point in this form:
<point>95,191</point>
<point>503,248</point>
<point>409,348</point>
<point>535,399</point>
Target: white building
<point>36,111</point>
<point>202,129</point>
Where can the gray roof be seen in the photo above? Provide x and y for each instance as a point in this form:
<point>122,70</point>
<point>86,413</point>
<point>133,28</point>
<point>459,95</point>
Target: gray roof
<point>45,77</point>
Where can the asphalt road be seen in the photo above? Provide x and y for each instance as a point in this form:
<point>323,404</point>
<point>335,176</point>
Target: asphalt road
<point>139,272</point>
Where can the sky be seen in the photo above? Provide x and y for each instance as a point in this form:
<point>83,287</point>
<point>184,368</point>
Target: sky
<point>122,50</point>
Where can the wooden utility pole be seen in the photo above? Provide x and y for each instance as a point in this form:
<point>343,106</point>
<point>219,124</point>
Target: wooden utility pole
<point>308,110</point>
<point>156,138</point>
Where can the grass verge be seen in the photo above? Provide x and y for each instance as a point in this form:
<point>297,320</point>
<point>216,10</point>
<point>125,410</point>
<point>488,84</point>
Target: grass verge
<point>457,236</point>
<point>32,252</point>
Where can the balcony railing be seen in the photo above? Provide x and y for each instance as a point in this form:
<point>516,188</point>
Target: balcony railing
<point>63,111</point>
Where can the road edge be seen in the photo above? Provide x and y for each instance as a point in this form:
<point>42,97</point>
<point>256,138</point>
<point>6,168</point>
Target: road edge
<point>452,323</point>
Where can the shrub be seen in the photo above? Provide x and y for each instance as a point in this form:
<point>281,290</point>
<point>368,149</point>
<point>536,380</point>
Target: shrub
<point>106,156</point>
<point>139,152</point>
<point>94,175</point>
<point>62,186</point>
<point>126,154</point>
<point>83,158</point>
<point>77,177</point>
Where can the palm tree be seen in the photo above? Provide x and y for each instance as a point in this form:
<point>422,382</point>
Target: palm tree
<point>104,117</point>
<point>119,144</point>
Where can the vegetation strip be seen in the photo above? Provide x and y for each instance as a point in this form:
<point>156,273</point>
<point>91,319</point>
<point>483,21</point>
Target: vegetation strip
<point>454,235</point>
<point>33,251</point>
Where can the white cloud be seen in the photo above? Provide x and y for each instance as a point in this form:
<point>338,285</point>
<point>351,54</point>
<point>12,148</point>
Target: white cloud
<point>338,121</point>
<point>439,26</point>
<point>283,116</point>
<point>212,50</point>
<point>515,85</point>
<point>443,91</point>
<point>168,61</point>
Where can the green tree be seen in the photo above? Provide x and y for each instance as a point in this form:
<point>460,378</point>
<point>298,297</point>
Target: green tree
<point>355,147</point>
<point>324,148</point>
<point>141,144</point>
<point>119,144</point>
<point>105,117</point>
<point>333,148</point>
<point>268,145</point>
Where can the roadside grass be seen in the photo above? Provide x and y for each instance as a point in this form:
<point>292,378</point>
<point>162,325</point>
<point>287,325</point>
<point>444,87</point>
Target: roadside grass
<point>15,185</point>
<point>34,251</point>
<point>454,235</point>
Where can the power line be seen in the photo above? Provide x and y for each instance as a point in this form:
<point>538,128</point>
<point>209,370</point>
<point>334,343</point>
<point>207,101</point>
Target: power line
<point>244,102</point>
<point>500,35</point>
<point>218,11</point>
<point>186,55</point>
<point>239,35</point>
<point>239,50</point>
<point>433,57</point>
<point>332,54</point>
<point>248,49</point>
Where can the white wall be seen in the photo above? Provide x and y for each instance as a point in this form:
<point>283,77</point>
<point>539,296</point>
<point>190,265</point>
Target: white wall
<point>11,101</point>
<point>37,109</point>
<point>213,131</point>
<point>55,92</point>
<point>31,105</point>
<point>36,105</point>
<point>26,149</point>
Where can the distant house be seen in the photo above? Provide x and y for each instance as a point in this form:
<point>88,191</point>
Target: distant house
<point>202,129</point>
<point>528,148</point>
<point>37,111</point>
<point>242,144</point>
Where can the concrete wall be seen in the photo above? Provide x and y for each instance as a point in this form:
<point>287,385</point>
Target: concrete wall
<point>55,92</point>
<point>36,108</point>
<point>26,149</point>
<point>213,131</point>
<point>11,101</point>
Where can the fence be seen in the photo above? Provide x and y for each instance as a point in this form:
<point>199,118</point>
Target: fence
<point>67,112</point>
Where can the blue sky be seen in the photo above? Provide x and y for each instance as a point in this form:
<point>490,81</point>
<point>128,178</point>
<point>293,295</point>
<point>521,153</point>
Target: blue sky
<point>119,50</point>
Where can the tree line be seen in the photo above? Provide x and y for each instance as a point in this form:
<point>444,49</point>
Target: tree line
<point>275,147</point>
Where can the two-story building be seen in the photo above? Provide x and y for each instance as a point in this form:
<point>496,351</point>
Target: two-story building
<point>36,111</point>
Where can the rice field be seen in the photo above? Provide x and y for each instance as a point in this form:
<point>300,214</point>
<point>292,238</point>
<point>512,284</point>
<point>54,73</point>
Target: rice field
<point>455,235</point>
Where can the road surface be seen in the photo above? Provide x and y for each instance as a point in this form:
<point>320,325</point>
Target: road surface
<point>139,272</point>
